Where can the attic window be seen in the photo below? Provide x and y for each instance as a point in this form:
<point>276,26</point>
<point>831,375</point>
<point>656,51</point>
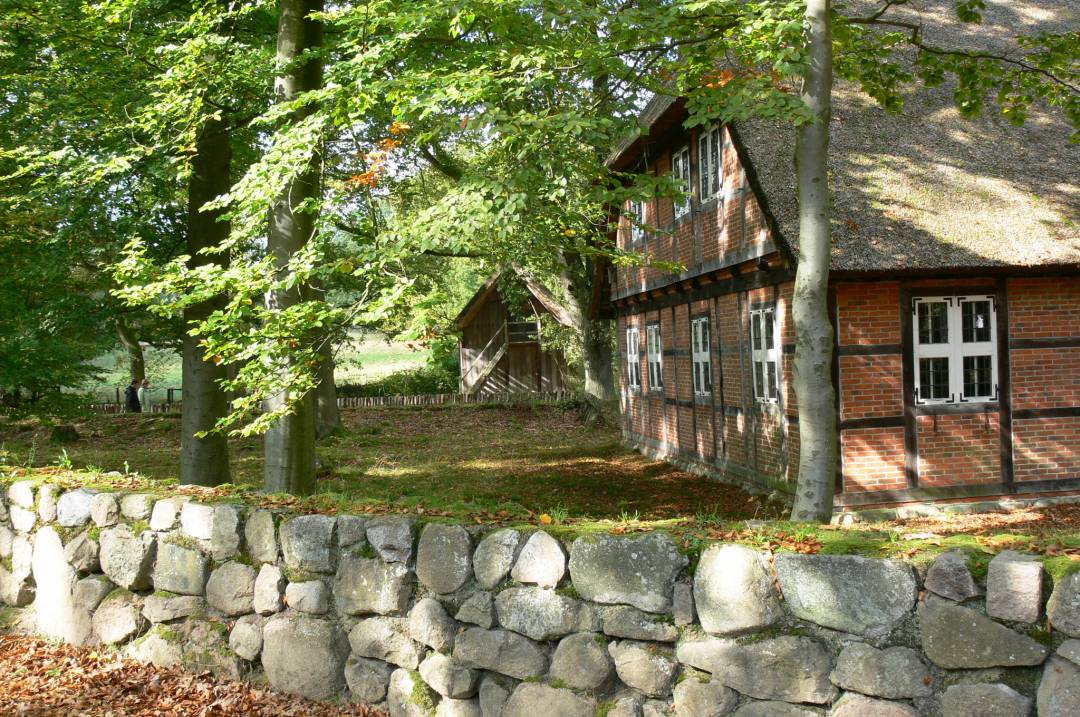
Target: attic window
<point>680,169</point>
<point>710,162</point>
<point>955,339</point>
<point>522,331</point>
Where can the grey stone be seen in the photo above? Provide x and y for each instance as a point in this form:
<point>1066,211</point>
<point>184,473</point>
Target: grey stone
<point>23,519</point>
<point>269,590</point>
<point>478,609</point>
<point>367,679</point>
<point>351,530</point>
<point>956,637</point>
<point>386,639</point>
<point>260,536</point>
<point>6,537</point>
<point>863,596</point>
<point>1070,650</point>
<point>408,696</point>
<point>772,709</point>
<point>126,558</point>
<point>447,677</point>
<point>500,651</point>
<point>443,557</point>
<point>231,589</point>
<point>698,698</point>
<point>391,537</point>
<point>792,669</point>
<point>430,625</point>
<point>180,569</point>
<point>634,571</point>
<point>1063,608</point>
<point>950,578</point>
<point>682,604</point>
<point>541,561</point>
<point>369,585</point>
<point>655,708</point>
<point>543,614</point>
<point>217,527</point>
<point>530,699</point>
<point>83,553</point>
<point>582,661</point>
<point>305,655</point>
<point>104,510</point>
<point>308,543</point>
<point>246,637</point>
<point>1014,587</point>
<point>987,700</point>
<point>495,556</point>
<point>119,618</point>
<point>206,648</point>
<point>46,503</point>
<point>494,692</point>
<point>853,704</point>
<point>137,506</point>
<point>633,624</point>
<point>21,493</point>
<point>161,607</point>
<point>166,513</point>
<point>59,615</point>
<point>893,673</point>
<point>16,588</point>
<point>91,590</point>
<point>458,708</point>
<point>644,666</point>
<point>73,508</point>
<point>160,646</point>
<point>626,706</point>
<point>734,590</point>
<point>197,520</point>
<point>1059,690</point>
<point>310,596</point>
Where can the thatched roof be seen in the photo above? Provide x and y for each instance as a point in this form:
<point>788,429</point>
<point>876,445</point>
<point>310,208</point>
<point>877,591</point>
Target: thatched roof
<point>928,189</point>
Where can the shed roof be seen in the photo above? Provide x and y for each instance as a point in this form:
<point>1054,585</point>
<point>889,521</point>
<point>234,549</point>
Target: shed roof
<point>926,188</point>
<point>490,287</point>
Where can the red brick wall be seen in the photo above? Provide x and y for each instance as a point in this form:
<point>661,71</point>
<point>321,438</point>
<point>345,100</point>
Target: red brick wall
<point>873,459</point>
<point>869,313</point>
<point>871,386</point>
<point>1046,449</point>
<point>1045,378</point>
<point>959,449</point>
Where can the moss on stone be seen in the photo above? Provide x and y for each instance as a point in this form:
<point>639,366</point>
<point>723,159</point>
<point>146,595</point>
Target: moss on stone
<point>559,684</point>
<point>183,541</point>
<point>139,527</point>
<point>422,696</point>
<point>604,708</point>
<point>94,533</point>
<point>364,550</point>
<point>568,591</point>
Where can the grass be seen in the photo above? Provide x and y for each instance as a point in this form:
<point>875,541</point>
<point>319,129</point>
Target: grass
<point>524,466</point>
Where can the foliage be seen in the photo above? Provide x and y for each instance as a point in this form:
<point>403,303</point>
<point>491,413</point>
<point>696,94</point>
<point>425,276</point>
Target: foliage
<point>433,378</point>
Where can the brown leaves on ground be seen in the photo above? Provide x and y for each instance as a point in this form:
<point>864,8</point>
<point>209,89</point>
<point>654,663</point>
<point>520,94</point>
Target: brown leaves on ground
<point>1063,518</point>
<point>44,679</point>
<point>774,541</point>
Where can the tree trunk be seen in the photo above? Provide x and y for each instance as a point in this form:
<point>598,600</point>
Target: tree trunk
<point>813,331</point>
<point>204,460</point>
<point>596,351</point>
<point>327,415</point>
<point>136,360</point>
<point>290,442</point>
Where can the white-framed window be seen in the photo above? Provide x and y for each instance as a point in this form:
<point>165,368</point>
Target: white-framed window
<point>764,354</point>
<point>955,340</point>
<point>637,220</point>
<point>654,355</point>
<point>699,356</point>
<point>710,162</point>
<point>680,169</point>
<point>633,358</point>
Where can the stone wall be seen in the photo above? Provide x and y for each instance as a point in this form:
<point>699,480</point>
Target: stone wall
<point>473,622</point>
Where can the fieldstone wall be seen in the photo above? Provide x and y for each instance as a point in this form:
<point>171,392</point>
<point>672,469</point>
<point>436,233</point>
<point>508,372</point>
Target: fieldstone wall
<point>459,621</point>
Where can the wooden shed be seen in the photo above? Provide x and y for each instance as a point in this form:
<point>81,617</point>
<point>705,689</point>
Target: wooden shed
<point>500,344</point>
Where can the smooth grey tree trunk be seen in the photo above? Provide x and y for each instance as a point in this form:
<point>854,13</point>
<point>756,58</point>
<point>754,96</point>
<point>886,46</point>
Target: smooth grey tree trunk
<point>813,331</point>
<point>204,460</point>
<point>289,446</point>
<point>596,351</point>
<point>130,342</point>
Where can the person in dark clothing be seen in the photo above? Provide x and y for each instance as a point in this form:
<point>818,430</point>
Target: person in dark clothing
<point>131,397</point>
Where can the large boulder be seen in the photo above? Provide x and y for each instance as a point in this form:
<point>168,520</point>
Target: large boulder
<point>367,679</point>
<point>532,699</point>
<point>633,571</point>
<point>862,596</point>
<point>91,590</point>
<point>633,624</point>
<point>261,537</point>
<point>161,646</point>
<point>541,562</point>
<point>791,669</point>
<point>1070,650</point>
<point>772,709</point>
<point>449,678</point>
<point>73,508</point>
<point>429,624</point>
<point>269,594</point>
<point>696,697</point>
<point>166,513</point>
<point>949,577</point>
<point>391,537</point>
<point>386,639</point>
<point>408,696</point>
<point>137,506</point>
<point>582,661</point>
<point>494,557</point>
<point>449,707</point>
<point>501,651</point>
<point>478,609</point>
<point>893,673</point>
<point>104,510</point>
<point>984,700</point>
<point>16,588</point>
<point>59,614</point>
<point>119,618</point>
<point>163,607</point>
<point>180,569</point>
<point>305,655</point>
<point>852,704</point>
<point>955,637</point>
<point>128,558</point>
<point>644,666</point>
<point>83,553</point>
<point>308,543</point>
<point>734,590</point>
<point>1059,690</point>
<point>246,637</point>
<point>543,614</point>
<point>310,596</point>
<point>444,557</point>
<point>1014,587</point>
<point>231,589</point>
<point>1063,608</point>
<point>216,527</point>
<point>364,586</point>
<point>351,530</point>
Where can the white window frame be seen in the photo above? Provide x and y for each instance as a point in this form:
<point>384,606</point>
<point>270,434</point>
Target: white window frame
<point>955,349</point>
<point>700,356</point>
<point>633,359</point>
<point>767,390</point>
<point>654,356</point>
<point>710,162</point>
<point>680,169</point>
<point>637,220</point>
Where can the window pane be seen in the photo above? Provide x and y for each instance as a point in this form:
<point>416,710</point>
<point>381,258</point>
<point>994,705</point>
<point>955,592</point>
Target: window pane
<point>703,165</point>
<point>771,377</point>
<point>759,377</point>
<point>755,326</point>
<point>933,322</point>
<point>934,378</point>
<point>975,320</point>
<point>716,166</point>
<point>769,336</point>
<point>978,376</point>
